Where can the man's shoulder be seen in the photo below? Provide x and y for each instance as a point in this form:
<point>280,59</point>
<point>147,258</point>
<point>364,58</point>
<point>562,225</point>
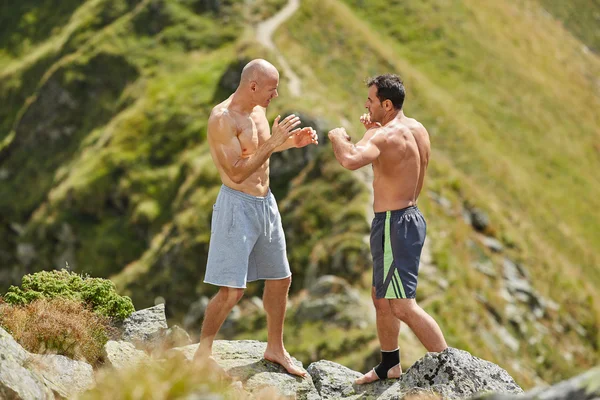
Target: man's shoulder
<point>221,121</point>
<point>411,126</point>
<point>220,114</point>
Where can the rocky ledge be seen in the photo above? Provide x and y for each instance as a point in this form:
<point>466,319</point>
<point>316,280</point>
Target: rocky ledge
<point>453,373</point>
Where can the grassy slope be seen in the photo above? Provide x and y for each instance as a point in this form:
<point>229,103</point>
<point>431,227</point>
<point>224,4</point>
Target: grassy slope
<point>512,121</point>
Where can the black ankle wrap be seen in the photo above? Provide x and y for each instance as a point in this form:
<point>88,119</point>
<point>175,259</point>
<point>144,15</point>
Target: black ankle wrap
<point>389,359</point>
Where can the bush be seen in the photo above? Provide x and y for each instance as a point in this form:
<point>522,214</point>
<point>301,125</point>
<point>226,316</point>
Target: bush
<point>98,294</point>
<point>57,326</point>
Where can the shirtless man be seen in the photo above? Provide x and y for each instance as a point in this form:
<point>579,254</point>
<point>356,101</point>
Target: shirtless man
<point>247,240</point>
<point>398,148</point>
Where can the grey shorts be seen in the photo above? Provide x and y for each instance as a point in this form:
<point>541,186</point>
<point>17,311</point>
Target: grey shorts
<point>397,239</point>
<point>246,240</point>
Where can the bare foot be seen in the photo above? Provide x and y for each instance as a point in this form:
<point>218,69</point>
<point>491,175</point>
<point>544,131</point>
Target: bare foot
<point>371,376</point>
<point>285,360</point>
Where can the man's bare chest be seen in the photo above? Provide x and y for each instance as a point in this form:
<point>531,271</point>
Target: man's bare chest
<point>252,132</point>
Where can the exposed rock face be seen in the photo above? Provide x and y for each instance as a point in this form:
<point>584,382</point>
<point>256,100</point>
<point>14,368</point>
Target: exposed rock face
<point>63,375</point>
<point>457,374</point>
<point>334,381</point>
<point>453,373</point>
<point>244,361</point>
<point>17,382</point>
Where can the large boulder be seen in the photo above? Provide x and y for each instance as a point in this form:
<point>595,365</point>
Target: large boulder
<point>458,375</point>
<point>243,360</point>
<point>334,381</point>
<point>453,373</point>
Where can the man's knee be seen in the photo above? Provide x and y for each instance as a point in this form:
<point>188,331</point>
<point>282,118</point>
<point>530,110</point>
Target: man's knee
<point>404,309</point>
<point>279,284</point>
<point>231,295</point>
<point>381,305</point>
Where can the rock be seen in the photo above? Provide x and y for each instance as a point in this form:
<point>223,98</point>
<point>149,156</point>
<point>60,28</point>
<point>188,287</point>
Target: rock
<point>144,325</point>
<point>334,381</point>
<point>176,336</point>
<point>123,355</point>
<point>16,382</point>
<point>63,375</point>
<point>583,387</point>
<point>486,268</point>
<point>492,244</point>
<point>442,201</point>
<point>517,284</point>
<point>243,360</point>
<point>10,349</point>
<point>479,219</point>
<point>167,339</point>
<point>457,374</point>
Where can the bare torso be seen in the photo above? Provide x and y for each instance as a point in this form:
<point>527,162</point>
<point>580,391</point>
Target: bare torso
<point>399,171</point>
<point>252,130</point>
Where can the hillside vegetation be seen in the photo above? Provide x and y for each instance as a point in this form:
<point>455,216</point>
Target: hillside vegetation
<point>104,164</point>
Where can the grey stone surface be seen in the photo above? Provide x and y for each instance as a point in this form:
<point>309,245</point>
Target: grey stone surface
<point>63,375</point>
<point>243,360</point>
<point>144,325</point>
<point>458,375</point>
<point>123,355</point>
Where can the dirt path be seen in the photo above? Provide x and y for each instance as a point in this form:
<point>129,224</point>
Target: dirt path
<point>264,35</point>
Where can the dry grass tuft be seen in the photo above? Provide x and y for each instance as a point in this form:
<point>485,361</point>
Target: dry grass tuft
<point>57,326</point>
<point>171,378</point>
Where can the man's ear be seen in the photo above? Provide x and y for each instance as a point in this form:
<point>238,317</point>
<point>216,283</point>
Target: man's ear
<point>253,86</point>
<point>387,104</point>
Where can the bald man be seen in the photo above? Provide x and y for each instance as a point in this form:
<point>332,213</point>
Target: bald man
<point>247,242</point>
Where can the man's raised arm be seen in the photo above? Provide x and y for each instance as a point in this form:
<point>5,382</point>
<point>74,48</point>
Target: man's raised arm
<point>222,136</point>
<point>353,156</point>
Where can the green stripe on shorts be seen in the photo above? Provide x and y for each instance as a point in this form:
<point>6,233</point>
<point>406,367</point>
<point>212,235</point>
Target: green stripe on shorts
<point>388,258</point>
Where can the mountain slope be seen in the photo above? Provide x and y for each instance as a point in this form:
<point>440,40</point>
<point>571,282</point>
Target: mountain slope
<point>103,162</point>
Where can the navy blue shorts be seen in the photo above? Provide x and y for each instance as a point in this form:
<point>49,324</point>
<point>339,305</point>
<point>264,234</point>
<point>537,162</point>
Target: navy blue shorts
<point>397,238</point>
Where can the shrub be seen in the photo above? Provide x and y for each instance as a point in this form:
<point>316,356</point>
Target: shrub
<point>97,293</point>
<point>57,326</point>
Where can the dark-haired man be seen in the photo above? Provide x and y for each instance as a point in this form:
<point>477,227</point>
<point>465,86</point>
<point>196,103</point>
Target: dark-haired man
<point>398,148</point>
